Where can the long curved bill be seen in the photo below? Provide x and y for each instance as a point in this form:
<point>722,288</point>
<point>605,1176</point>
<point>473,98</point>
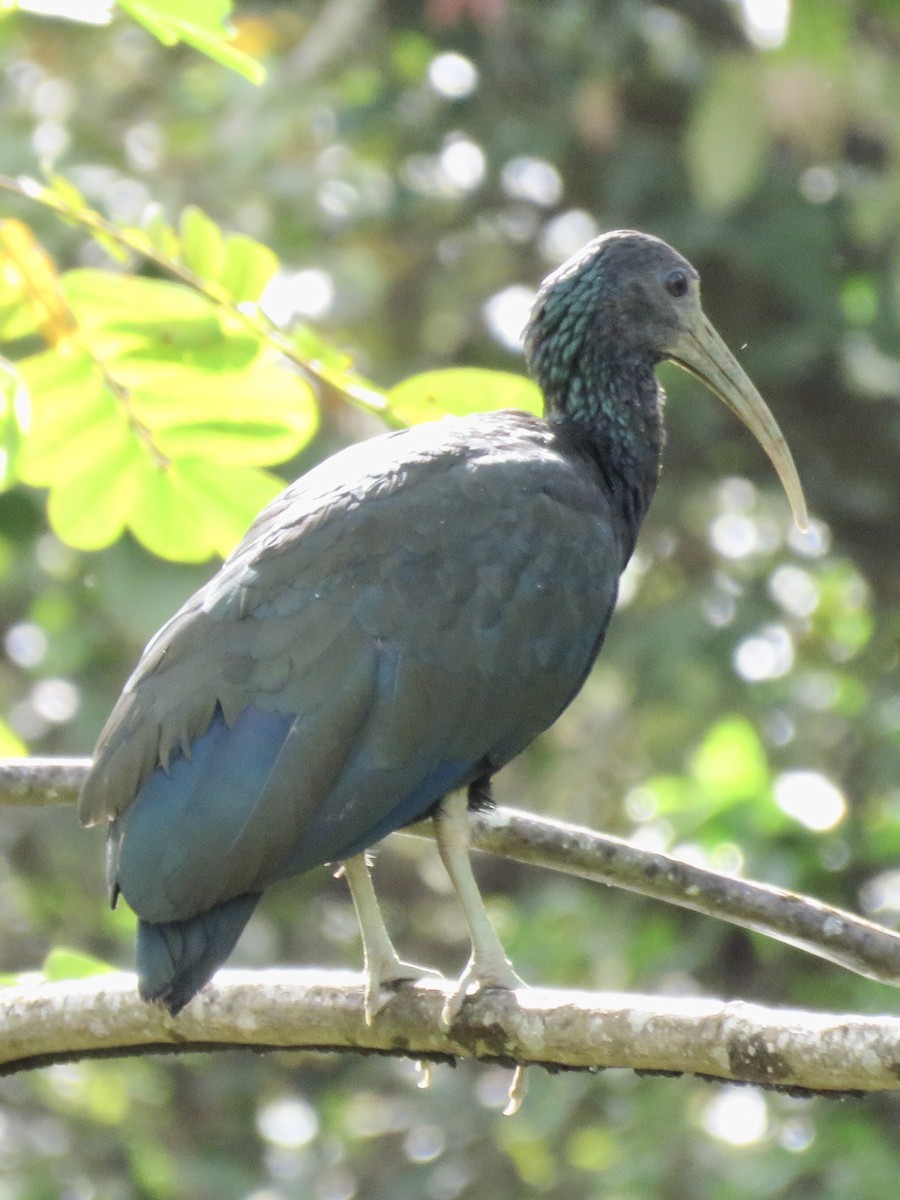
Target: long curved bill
<point>701,351</point>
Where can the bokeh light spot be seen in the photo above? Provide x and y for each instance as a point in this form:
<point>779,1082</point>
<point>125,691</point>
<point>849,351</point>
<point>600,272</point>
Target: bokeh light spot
<point>506,314</point>
<point>810,798</point>
<point>56,700</point>
<point>452,76</point>
<point>308,293</point>
<point>797,1134</point>
<point>462,163</point>
<point>736,1116</point>
<point>768,654</point>
<point>733,535</point>
<point>564,235</point>
<point>882,893</point>
<point>533,179</point>
<point>794,590</point>
<point>766,22</point>
<point>818,185</point>
<point>812,542</point>
<point>287,1122</point>
<point>424,1143</point>
<point>25,644</point>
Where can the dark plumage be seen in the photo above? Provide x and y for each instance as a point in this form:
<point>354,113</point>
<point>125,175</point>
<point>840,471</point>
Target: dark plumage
<point>398,624</point>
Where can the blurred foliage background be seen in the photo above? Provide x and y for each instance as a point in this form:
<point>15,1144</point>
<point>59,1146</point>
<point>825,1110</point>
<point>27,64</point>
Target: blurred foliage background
<point>417,168</point>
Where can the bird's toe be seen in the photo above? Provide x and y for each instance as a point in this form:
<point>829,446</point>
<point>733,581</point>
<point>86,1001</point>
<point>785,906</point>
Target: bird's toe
<point>477,978</point>
<point>382,984</point>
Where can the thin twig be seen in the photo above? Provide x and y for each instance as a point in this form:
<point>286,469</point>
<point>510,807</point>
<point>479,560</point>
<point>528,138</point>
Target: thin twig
<point>840,937</point>
<point>861,946</point>
<point>136,242</point>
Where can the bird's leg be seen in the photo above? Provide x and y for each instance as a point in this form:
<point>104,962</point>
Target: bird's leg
<point>383,966</point>
<point>488,966</point>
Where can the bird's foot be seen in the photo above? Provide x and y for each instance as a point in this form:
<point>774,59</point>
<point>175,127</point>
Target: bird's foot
<point>478,977</point>
<point>387,977</point>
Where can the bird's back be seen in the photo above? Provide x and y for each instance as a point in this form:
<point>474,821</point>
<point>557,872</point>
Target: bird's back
<point>401,621</point>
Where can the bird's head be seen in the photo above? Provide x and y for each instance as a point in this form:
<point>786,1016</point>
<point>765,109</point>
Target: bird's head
<point>628,299</point>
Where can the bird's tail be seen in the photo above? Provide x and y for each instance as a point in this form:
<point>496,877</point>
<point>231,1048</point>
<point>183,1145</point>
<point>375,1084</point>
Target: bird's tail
<point>176,958</point>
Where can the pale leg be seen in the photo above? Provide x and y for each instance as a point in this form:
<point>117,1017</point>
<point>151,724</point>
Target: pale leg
<point>383,967</point>
<point>488,966</point>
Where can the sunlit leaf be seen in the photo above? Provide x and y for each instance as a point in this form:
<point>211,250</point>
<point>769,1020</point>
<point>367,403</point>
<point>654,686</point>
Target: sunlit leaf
<point>254,417</point>
<point>202,243</point>
<point>14,420</point>
<point>75,420</point>
<point>26,265</point>
<point>90,509</point>
<point>200,23</point>
<point>158,230</point>
<point>313,346</point>
<point>101,298</point>
<point>17,317</point>
<point>71,199</point>
<point>670,793</point>
<point>730,765</point>
<point>138,358</point>
<point>248,267</point>
<point>459,391</point>
<point>194,509</point>
<point>11,746</point>
<point>65,190</point>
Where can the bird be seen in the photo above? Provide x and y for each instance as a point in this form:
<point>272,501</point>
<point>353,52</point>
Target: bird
<point>395,627</point>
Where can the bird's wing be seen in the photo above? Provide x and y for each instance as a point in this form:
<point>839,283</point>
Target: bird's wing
<point>393,626</point>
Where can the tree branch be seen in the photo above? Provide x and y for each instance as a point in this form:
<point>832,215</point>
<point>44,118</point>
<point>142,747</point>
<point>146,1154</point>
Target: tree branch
<point>323,1010</point>
<point>852,942</point>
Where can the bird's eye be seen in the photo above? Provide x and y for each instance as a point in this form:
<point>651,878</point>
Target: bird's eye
<point>677,283</point>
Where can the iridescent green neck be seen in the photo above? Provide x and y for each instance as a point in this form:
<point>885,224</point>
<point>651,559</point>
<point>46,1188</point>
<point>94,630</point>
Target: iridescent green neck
<point>611,405</point>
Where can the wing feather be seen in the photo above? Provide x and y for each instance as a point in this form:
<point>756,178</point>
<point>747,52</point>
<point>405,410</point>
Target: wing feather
<point>422,606</point>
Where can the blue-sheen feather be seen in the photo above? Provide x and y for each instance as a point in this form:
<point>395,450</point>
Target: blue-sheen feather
<point>413,804</point>
<point>176,836</point>
<point>184,820</point>
<point>176,958</point>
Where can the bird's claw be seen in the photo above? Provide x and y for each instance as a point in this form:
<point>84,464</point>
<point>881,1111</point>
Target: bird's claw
<point>388,980</point>
<point>498,974</point>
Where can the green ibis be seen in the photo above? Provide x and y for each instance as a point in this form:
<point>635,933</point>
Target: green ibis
<point>396,626</point>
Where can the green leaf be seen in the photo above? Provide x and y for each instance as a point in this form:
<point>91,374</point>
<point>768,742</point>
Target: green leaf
<point>727,138</point>
<point>460,391</point>
<point>18,318</point>
<point>75,419</point>
<point>100,298</point>
<point>136,356</point>
<point>90,509</point>
<point>202,243</point>
<point>127,314</point>
<point>14,420</point>
<point>156,228</point>
<point>62,189</point>
<point>731,765</point>
<point>670,794</point>
<point>248,267</point>
<point>201,24</point>
<point>194,509</point>
<point>312,346</point>
<point>62,964</point>
<point>11,746</point>
<point>253,418</point>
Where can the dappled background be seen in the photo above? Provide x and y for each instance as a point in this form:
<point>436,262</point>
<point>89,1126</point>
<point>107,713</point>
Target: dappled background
<point>417,168</point>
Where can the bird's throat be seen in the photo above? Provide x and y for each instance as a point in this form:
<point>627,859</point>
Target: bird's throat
<point>613,409</point>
